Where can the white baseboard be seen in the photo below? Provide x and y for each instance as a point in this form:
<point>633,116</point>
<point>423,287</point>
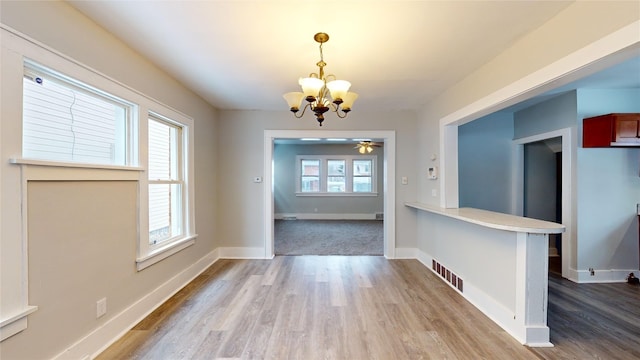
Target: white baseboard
<point>601,276</point>
<point>406,253</point>
<point>242,253</point>
<point>319,216</point>
<point>101,338</point>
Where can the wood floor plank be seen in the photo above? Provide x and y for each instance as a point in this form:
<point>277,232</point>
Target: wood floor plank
<point>324,307</point>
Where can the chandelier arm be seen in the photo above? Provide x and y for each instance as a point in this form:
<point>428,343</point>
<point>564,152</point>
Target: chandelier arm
<point>341,116</point>
<point>303,111</point>
<point>336,109</point>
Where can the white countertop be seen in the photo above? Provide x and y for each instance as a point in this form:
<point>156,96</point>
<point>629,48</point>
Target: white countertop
<point>493,219</point>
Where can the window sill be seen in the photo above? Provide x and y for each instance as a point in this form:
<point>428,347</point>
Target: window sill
<point>336,194</point>
<point>164,252</point>
<point>16,323</point>
<point>73,165</point>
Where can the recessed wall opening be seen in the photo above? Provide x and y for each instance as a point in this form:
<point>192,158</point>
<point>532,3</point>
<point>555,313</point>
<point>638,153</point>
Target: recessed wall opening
<point>328,197</point>
<point>386,185</point>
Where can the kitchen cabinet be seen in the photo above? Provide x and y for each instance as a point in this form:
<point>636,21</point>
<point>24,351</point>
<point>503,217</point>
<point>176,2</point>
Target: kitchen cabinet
<point>611,130</point>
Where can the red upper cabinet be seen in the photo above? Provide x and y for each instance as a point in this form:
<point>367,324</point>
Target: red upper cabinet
<point>619,129</point>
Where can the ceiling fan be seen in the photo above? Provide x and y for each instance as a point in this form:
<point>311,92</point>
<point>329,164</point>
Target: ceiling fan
<point>366,146</point>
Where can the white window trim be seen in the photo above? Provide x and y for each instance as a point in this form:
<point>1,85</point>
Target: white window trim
<point>149,254</point>
<point>16,171</point>
<point>348,175</point>
<point>129,146</point>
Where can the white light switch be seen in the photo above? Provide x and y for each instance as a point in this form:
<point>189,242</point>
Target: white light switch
<point>434,192</point>
<point>405,181</point>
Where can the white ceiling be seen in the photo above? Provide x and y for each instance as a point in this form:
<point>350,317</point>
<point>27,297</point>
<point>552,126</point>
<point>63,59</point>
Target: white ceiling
<point>246,54</point>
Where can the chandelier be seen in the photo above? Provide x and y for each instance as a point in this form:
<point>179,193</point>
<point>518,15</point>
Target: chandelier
<point>317,88</point>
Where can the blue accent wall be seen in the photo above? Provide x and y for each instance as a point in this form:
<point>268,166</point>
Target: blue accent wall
<point>484,163</point>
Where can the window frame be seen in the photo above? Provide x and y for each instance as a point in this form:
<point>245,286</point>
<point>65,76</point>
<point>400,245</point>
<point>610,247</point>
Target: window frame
<point>370,176</point>
<point>149,254</point>
<point>176,177</point>
<point>324,175</point>
<point>128,142</point>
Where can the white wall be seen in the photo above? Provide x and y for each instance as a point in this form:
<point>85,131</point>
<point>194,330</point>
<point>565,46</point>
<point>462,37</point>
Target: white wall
<point>241,207</point>
<point>67,274</point>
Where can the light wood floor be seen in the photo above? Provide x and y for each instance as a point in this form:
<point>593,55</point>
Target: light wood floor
<point>328,307</point>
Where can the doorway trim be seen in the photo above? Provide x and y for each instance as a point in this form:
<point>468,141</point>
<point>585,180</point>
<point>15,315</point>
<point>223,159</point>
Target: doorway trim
<point>568,136</point>
<point>388,187</point>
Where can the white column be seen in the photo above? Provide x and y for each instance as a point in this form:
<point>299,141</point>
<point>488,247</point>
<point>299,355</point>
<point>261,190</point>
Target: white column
<point>532,288</point>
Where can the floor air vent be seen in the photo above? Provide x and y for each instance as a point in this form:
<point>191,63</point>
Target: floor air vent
<point>447,275</point>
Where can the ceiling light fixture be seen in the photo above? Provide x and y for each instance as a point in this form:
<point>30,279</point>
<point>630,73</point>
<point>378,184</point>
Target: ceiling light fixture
<point>317,88</point>
<point>365,147</point>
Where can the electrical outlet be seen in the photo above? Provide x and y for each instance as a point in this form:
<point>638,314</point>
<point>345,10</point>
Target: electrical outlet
<point>101,307</point>
<point>592,272</point>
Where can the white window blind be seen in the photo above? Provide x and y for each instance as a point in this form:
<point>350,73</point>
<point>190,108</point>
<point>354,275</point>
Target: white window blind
<point>66,121</point>
<point>165,181</point>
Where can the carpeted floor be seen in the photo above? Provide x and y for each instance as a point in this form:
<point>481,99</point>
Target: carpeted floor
<point>328,237</point>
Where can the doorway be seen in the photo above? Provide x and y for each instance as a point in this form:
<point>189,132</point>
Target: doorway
<point>327,198</point>
<point>543,190</point>
<point>387,186</point>
<point>563,159</point>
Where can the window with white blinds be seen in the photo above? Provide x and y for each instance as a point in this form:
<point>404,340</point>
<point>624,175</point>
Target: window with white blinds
<point>166,186</point>
<point>336,175</point>
<point>67,121</point>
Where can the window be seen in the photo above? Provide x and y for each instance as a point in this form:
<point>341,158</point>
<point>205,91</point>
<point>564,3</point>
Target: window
<point>167,223</point>
<point>69,123</point>
<point>336,175</point>
<point>362,175</point>
<point>65,120</point>
<point>81,126</point>
<point>310,176</point>
<point>165,181</point>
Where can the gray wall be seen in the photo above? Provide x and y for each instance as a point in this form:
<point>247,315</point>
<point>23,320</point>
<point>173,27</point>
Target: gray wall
<point>74,259</point>
<point>539,181</point>
<point>241,200</point>
<point>484,163</point>
<point>286,201</point>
